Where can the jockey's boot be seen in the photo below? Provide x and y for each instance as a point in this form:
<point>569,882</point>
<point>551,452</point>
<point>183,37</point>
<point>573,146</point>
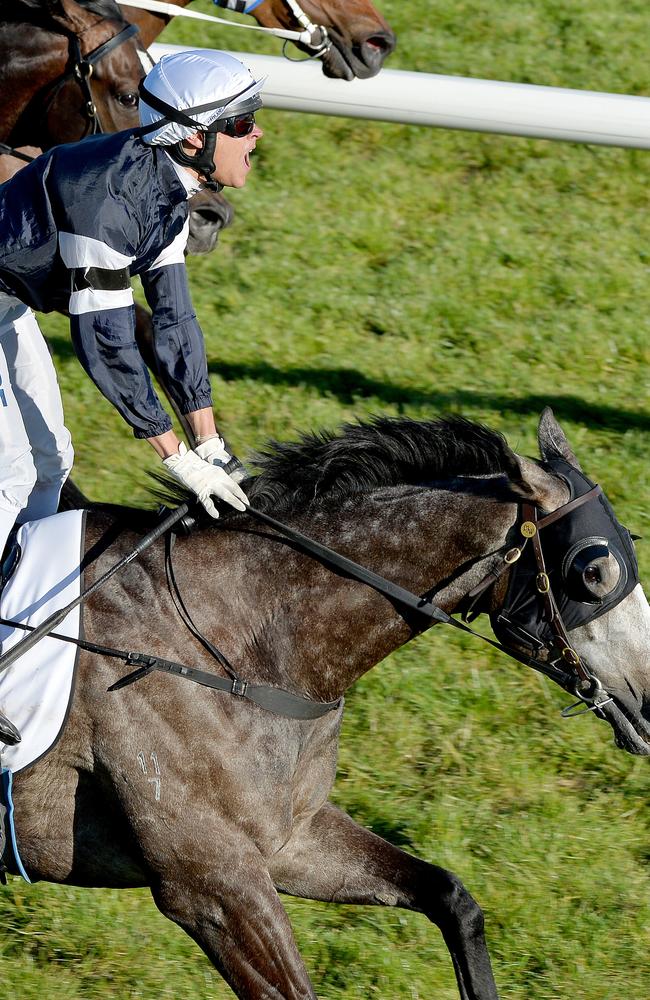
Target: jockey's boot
<point>8,732</point>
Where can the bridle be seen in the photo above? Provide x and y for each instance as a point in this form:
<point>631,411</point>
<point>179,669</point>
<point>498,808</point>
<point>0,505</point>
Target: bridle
<point>318,40</point>
<point>563,664</point>
<point>81,71</point>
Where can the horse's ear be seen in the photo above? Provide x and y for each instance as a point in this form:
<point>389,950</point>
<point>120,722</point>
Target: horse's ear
<point>68,13</point>
<point>535,484</point>
<point>552,440</point>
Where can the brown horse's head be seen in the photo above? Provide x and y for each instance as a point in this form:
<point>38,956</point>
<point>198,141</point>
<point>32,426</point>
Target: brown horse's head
<point>361,38</point>
<point>67,69</point>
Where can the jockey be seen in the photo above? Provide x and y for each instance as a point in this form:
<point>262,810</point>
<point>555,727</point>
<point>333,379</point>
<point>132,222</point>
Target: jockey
<point>75,225</point>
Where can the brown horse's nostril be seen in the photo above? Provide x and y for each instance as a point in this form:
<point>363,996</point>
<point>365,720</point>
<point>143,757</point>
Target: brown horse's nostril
<point>383,42</point>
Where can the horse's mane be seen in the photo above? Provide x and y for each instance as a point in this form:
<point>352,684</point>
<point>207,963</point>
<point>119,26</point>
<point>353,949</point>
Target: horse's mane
<point>364,456</point>
<point>382,452</point>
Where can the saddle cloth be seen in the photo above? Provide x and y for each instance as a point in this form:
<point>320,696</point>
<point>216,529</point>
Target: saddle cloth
<point>36,690</point>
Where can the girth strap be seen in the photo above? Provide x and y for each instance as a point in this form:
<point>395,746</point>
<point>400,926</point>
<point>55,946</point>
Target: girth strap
<point>272,699</point>
<point>275,700</point>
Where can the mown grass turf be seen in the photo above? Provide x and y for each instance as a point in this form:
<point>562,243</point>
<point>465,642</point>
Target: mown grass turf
<point>395,269</point>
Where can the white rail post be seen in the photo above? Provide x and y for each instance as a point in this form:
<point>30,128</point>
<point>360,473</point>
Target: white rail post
<point>453,102</point>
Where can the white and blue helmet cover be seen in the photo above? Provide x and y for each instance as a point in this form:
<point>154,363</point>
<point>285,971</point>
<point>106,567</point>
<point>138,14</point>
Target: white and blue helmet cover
<point>190,79</point>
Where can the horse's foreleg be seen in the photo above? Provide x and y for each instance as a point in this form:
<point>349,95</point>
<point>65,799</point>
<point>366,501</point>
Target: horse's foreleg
<point>334,859</point>
<point>239,922</point>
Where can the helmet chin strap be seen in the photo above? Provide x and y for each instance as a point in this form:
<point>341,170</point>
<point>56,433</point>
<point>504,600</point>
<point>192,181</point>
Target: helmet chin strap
<point>202,161</point>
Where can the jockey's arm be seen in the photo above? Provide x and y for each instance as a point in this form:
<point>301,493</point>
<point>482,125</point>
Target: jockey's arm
<point>178,343</point>
<point>103,333</point>
<point>102,324</point>
<point>102,320</point>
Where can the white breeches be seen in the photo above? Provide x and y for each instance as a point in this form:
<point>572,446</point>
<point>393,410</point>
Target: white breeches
<point>35,448</point>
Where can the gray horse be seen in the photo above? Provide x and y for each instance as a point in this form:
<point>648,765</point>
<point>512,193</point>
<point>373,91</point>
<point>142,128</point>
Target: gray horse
<point>242,811</point>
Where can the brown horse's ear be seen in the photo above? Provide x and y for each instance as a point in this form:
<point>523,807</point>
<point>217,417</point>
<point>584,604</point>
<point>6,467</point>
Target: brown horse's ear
<point>68,13</point>
<point>552,440</point>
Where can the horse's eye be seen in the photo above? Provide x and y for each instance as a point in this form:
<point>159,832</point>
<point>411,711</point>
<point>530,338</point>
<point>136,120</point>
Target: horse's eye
<point>592,575</point>
<point>128,100</point>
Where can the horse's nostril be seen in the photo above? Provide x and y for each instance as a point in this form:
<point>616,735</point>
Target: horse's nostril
<point>383,43</point>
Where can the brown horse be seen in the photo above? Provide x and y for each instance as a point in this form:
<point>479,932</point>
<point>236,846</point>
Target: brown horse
<point>238,809</point>
<point>360,37</point>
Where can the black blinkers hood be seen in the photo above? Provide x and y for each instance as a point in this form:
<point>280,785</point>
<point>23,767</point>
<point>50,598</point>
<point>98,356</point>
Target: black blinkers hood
<point>591,529</point>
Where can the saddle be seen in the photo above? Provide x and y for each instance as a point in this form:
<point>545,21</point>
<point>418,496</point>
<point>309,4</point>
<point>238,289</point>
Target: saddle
<point>9,735</point>
<point>39,573</point>
<point>10,558</point>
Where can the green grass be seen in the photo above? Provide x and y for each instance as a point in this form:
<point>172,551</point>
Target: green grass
<point>384,268</point>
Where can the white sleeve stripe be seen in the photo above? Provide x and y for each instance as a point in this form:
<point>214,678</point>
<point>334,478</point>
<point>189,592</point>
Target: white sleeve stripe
<point>91,300</point>
<point>175,252</point>
<point>83,251</point>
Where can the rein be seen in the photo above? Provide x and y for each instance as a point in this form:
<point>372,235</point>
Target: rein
<point>314,36</point>
<point>576,677</point>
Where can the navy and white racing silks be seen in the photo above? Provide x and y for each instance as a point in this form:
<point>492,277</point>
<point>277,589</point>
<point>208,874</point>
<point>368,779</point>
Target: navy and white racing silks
<point>75,225</point>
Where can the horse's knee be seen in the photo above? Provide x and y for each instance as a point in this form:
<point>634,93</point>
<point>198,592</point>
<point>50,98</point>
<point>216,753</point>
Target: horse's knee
<point>454,904</point>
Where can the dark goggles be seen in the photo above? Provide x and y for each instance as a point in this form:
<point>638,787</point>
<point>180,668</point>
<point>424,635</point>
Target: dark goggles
<point>238,126</point>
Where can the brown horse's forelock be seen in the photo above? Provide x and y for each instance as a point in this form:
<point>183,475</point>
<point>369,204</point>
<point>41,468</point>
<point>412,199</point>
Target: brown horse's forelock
<point>363,456</point>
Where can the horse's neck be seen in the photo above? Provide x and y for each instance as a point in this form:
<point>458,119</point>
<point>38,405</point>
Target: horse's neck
<point>150,24</point>
<point>316,631</point>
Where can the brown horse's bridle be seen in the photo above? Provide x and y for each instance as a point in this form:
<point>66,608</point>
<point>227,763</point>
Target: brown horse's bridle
<point>320,41</point>
<point>82,66</point>
<point>311,36</point>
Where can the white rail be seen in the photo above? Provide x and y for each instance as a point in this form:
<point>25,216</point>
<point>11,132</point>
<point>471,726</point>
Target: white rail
<point>454,102</point>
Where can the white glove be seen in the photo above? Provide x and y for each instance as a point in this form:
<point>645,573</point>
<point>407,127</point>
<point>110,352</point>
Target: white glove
<point>205,480</point>
<point>213,450</point>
